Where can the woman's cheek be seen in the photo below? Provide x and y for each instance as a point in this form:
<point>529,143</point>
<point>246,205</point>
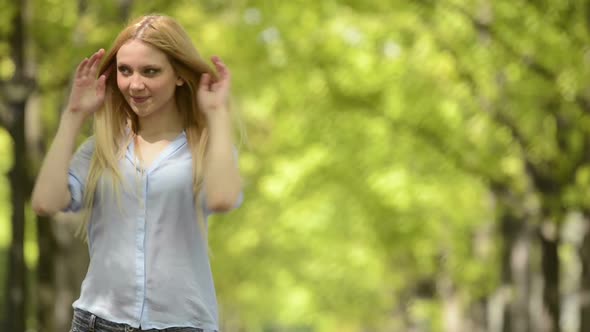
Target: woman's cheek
<point>121,83</point>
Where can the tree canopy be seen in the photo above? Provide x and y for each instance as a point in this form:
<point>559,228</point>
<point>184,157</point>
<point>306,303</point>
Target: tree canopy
<point>385,142</point>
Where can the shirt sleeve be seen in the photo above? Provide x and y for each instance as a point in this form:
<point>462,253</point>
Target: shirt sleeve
<point>77,173</point>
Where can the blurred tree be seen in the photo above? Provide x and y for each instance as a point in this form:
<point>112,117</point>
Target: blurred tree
<point>15,93</point>
<point>523,90</point>
<point>391,168</point>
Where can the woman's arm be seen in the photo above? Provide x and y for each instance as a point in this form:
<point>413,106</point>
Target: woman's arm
<point>222,177</point>
<point>51,193</point>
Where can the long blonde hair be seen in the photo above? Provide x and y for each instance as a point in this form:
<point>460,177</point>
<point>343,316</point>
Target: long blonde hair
<point>111,123</point>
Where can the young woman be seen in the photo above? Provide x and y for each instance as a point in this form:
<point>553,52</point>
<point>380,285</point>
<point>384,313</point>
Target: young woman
<point>160,160</point>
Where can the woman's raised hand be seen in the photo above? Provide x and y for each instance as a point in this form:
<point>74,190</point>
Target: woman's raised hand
<point>213,95</point>
<point>88,91</point>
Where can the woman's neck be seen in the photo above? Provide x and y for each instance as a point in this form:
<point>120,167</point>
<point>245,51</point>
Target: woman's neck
<point>161,125</point>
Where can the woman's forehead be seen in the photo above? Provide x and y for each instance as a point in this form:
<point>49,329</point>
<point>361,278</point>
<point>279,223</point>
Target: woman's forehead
<point>136,52</point>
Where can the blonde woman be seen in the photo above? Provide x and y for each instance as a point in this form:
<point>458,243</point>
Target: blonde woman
<point>161,159</point>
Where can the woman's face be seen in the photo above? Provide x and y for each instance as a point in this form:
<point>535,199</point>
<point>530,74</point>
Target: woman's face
<point>146,78</point>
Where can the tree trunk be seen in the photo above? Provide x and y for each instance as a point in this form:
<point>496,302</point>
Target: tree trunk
<point>550,268</point>
<point>585,283</point>
<point>46,274</point>
<point>508,230</point>
<point>16,282</point>
<point>16,92</point>
<point>452,311</point>
<point>515,274</point>
<point>509,308</point>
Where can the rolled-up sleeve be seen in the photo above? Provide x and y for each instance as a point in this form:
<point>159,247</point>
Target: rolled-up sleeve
<point>77,174</point>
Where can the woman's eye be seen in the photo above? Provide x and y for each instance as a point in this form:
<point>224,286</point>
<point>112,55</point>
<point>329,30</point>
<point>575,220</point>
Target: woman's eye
<point>124,70</point>
<point>151,71</point>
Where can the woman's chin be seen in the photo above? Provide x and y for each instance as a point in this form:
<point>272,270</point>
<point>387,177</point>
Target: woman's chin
<point>141,111</point>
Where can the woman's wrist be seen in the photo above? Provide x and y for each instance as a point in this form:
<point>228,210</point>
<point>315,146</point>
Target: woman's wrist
<point>219,118</point>
<point>72,121</point>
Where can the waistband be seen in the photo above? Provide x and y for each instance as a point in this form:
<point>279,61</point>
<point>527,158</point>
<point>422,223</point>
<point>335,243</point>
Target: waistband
<point>88,321</point>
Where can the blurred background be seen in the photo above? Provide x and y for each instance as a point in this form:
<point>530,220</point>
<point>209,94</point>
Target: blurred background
<point>409,165</point>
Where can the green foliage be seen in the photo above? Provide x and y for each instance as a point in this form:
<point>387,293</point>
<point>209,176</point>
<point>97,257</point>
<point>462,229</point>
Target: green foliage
<point>371,145</point>
<point>5,208</point>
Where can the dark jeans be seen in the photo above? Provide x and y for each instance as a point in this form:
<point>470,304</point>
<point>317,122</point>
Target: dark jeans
<point>85,321</point>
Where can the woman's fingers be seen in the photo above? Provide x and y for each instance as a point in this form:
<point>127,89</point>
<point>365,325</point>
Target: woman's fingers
<point>205,80</point>
<point>108,72</point>
<point>224,74</point>
<point>81,68</point>
<point>100,89</point>
<point>220,66</point>
<point>95,61</point>
<point>88,66</point>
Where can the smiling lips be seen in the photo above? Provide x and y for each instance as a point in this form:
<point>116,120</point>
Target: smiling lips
<point>139,100</point>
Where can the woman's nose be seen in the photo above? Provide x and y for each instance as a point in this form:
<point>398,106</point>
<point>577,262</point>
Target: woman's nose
<point>136,83</point>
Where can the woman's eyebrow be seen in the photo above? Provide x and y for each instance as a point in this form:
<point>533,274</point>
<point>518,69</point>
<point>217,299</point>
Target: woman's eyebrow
<point>122,64</point>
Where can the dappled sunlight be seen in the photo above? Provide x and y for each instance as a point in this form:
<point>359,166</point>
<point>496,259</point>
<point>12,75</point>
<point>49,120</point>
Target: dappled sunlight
<point>289,171</point>
<point>6,68</point>
<point>5,208</point>
<point>403,160</point>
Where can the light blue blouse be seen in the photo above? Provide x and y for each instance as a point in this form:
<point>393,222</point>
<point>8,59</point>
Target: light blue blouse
<point>149,265</point>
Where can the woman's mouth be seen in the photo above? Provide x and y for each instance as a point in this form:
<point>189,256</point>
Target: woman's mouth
<point>139,100</point>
